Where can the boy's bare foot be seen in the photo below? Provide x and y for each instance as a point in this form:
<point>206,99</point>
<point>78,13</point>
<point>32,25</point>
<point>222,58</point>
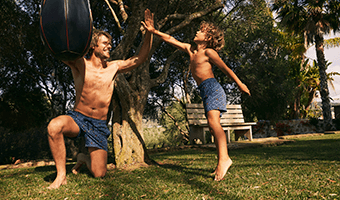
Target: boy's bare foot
<point>213,173</point>
<point>59,181</point>
<point>81,159</point>
<point>222,169</point>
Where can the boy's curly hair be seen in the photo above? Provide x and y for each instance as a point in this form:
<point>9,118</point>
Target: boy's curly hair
<point>215,33</point>
<point>95,36</point>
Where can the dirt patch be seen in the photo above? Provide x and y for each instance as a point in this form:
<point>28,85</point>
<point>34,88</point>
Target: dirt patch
<point>22,164</point>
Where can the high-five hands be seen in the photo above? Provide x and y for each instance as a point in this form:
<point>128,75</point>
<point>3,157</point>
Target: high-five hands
<point>148,21</point>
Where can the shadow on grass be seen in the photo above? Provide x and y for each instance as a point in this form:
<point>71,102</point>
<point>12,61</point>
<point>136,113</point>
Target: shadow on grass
<point>323,150</point>
<point>52,168</point>
<point>169,181</point>
<point>178,170</point>
<point>189,171</point>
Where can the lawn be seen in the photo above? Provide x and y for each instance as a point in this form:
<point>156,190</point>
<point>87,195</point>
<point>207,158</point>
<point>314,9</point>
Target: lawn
<point>308,168</point>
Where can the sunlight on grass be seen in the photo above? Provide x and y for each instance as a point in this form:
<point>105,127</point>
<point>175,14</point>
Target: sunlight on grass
<point>305,169</point>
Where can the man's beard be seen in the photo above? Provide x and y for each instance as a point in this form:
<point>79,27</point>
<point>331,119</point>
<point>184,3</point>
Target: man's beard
<point>101,55</point>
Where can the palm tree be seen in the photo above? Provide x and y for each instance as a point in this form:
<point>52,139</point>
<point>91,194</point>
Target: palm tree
<point>312,19</point>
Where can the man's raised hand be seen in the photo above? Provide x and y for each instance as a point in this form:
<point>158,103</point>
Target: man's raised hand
<point>148,21</point>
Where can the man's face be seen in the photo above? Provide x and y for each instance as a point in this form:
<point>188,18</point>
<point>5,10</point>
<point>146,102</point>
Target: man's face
<point>102,50</point>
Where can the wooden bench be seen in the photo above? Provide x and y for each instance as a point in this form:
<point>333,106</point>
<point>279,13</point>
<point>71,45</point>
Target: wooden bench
<point>231,120</point>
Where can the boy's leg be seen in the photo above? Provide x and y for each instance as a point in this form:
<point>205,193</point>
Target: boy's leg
<point>224,162</point>
<point>98,161</point>
<point>58,128</point>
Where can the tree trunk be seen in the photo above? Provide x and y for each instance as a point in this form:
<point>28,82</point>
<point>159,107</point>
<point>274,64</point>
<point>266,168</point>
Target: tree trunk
<point>128,106</point>
<point>326,106</point>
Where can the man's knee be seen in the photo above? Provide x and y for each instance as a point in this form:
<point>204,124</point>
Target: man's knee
<point>99,173</point>
<point>54,127</point>
<point>62,125</point>
<point>98,161</point>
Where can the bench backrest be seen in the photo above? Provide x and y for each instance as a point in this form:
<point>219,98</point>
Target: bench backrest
<point>196,116</point>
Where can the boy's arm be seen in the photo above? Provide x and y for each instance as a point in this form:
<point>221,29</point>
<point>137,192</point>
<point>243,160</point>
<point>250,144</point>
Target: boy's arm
<point>165,37</point>
<point>216,60</point>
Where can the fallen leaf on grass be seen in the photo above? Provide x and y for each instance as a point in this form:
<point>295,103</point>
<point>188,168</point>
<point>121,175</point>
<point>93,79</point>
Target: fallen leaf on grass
<point>332,181</point>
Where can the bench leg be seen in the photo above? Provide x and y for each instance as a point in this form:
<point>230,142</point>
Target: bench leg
<point>228,136</point>
<point>197,133</point>
<point>239,134</point>
<point>249,135</point>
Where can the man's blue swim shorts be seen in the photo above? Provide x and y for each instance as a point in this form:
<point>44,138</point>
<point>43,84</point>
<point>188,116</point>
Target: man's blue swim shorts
<point>213,96</point>
<point>95,131</point>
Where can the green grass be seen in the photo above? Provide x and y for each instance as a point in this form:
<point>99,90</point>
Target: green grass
<point>306,169</point>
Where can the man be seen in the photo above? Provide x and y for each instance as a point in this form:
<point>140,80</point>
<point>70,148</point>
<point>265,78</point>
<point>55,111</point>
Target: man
<point>94,80</point>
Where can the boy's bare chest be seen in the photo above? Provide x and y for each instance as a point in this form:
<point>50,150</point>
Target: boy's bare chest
<point>198,60</point>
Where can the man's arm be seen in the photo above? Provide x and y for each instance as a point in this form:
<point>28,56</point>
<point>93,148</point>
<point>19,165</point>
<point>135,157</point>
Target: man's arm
<point>74,63</point>
<point>216,60</point>
<point>135,61</point>
<point>163,36</point>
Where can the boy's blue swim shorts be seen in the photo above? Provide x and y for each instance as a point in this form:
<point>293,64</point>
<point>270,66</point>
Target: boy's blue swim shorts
<point>213,96</point>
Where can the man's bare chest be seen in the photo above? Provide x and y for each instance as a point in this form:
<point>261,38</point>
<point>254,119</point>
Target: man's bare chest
<point>98,80</point>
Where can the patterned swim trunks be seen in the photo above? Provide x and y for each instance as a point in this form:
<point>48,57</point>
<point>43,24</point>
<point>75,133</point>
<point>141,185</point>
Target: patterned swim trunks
<point>95,131</point>
<point>213,96</point>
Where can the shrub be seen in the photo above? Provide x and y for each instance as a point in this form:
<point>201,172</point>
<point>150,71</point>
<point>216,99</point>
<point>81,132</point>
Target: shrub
<point>25,145</point>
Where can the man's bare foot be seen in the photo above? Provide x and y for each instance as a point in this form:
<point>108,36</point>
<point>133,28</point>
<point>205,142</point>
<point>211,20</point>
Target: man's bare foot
<point>81,159</point>
<point>76,168</point>
<point>222,169</point>
<point>57,183</point>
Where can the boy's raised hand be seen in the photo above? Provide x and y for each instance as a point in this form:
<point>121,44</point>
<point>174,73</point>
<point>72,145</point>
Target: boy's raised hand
<point>149,23</point>
<point>243,88</point>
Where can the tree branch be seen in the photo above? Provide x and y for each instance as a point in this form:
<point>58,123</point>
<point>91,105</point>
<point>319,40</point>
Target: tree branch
<point>187,18</point>
<point>122,10</point>
<point>183,133</point>
<point>161,78</point>
<point>115,16</point>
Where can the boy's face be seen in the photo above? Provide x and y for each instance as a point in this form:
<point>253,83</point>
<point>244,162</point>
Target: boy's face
<point>201,36</point>
<point>102,50</point>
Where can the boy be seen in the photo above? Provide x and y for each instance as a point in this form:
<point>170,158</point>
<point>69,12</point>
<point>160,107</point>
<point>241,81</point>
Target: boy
<point>209,39</point>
